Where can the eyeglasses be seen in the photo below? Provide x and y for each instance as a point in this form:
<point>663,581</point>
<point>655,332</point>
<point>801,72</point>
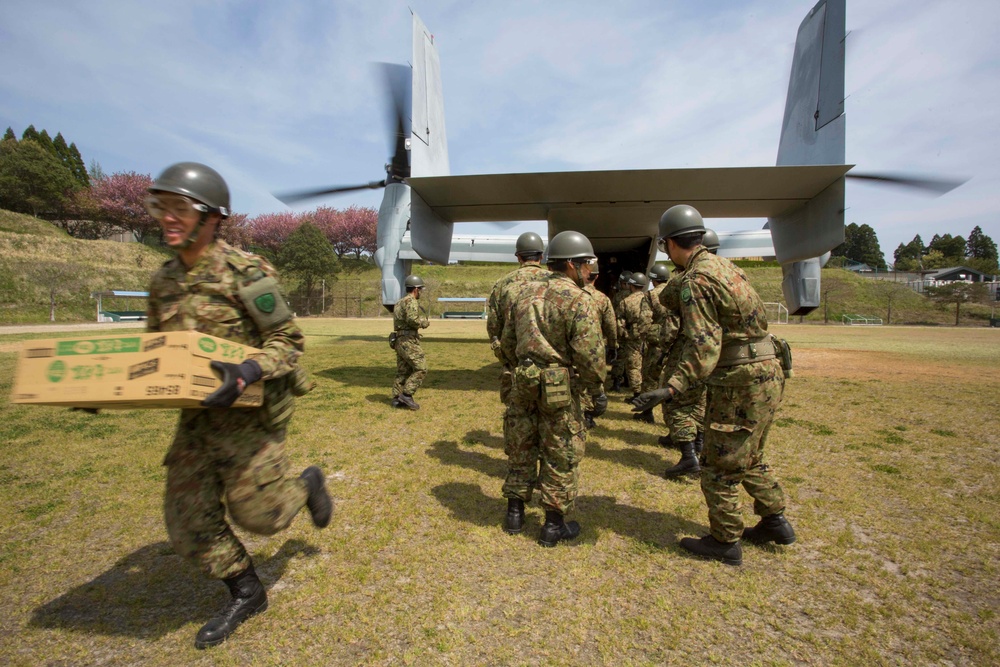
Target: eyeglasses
<point>182,208</point>
<point>662,244</point>
<point>592,261</point>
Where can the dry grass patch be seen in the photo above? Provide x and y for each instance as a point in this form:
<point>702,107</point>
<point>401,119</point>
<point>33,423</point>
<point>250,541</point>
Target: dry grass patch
<point>884,444</point>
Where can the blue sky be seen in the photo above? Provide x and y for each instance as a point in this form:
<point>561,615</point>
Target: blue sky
<point>280,96</point>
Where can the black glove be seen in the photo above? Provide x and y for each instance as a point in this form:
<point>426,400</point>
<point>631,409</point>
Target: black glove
<point>600,405</point>
<point>651,399</point>
<point>235,378</point>
<point>611,356</point>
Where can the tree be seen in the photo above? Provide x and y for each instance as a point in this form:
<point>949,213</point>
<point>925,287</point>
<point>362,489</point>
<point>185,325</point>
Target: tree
<point>9,134</point>
<point>59,278</point>
<point>909,257</point>
<point>958,293</point>
<point>95,172</point>
<point>30,133</point>
<point>32,180</point>
<point>308,256</point>
<point>890,292</point>
<point>236,231</point>
<point>352,230</point>
<point>981,252</point>
<point>861,245</point>
<point>119,200</point>
<point>77,166</point>
<point>834,290</point>
<point>269,231</point>
<point>952,248</point>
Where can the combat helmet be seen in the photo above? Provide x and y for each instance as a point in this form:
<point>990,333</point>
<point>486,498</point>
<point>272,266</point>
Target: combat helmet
<point>529,243</point>
<point>679,220</point>
<point>413,281</point>
<point>639,279</point>
<point>197,181</point>
<point>660,272</point>
<point>570,245</point>
<point>710,240</point>
<point>624,276</point>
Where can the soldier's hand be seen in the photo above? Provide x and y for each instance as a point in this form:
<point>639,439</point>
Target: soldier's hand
<point>235,379</point>
<point>424,323</point>
<point>600,404</point>
<point>651,399</point>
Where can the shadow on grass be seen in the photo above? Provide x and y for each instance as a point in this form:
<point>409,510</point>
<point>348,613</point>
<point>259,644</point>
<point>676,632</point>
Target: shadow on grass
<point>381,376</point>
<point>468,503</point>
<point>150,593</point>
<point>449,453</point>
<point>384,338</point>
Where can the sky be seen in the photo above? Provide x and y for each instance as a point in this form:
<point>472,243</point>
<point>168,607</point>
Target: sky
<point>283,96</point>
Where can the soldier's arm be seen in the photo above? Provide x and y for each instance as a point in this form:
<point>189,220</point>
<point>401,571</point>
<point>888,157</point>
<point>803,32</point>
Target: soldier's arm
<point>494,324</point>
<point>702,334</point>
<point>610,326</point>
<point>282,340</point>
<point>587,346</point>
<point>153,308</point>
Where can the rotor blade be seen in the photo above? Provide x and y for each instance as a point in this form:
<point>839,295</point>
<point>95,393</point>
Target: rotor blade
<point>300,195</point>
<point>397,82</point>
<point>936,186</point>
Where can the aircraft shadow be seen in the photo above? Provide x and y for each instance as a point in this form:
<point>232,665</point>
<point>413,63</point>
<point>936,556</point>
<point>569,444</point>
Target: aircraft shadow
<point>468,503</point>
<point>150,593</point>
<point>381,377</point>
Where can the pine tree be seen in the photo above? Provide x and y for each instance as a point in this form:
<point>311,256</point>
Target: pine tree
<point>30,133</point>
<point>45,141</point>
<point>77,168</point>
<point>981,251</point>
<point>9,134</point>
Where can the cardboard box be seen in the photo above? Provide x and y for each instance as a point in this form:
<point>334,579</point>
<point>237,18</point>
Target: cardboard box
<point>140,370</point>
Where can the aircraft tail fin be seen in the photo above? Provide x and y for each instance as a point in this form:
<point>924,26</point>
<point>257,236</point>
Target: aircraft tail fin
<point>428,139</point>
<point>813,133</point>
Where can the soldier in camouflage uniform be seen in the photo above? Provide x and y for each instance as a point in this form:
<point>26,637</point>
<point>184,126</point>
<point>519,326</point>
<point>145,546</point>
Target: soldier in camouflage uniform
<point>652,355</point>
<point>609,331</point>
<point>411,364</point>
<point>553,340</point>
<point>528,249</point>
<point>217,453</point>
<point>727,346</point>
<point>619,294</point>
<point>633,323</point>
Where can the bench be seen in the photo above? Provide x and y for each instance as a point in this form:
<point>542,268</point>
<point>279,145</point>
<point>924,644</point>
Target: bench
<point>464,314</point>
<point>123,315</point>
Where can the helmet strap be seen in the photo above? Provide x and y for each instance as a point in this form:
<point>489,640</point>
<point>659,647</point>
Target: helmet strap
<point>193,236</point>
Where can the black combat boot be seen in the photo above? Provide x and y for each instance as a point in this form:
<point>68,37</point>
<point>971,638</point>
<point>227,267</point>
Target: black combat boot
<point>632,401</point>
<point>556,529</point>
<point>514,523</point>
<point>319,502</point>
<point>249,598</point>
<point>688,465</point>
<point>408,401</point>
<point>729,553</point>
<point>645,416</point>
<point>588,421</point>
<point>699,443</point>
<point>396,402</point>
<point>617,385</point>
<point>771,528</point>
<point>665,441</point>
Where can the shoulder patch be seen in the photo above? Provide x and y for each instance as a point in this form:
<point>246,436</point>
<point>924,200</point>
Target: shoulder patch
<point>266,302</point>
<point>686,294</point>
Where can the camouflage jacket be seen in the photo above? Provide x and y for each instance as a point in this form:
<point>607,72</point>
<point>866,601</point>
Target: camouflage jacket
<point>606,315</point>
<point>553,322</point>
<point>635,317</point>
<point>406,315</point>
<point>717,306</point>
<point>657,314</point>
<point>670,299</point>
<point>505,293</point>
<point>206,298</point>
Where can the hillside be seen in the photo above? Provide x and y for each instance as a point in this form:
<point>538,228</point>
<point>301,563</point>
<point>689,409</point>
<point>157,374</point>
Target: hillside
<point>38,260</point>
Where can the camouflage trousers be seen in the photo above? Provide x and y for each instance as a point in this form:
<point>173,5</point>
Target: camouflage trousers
<point>631,350</point>
<point>738,420</point>
<point>411,366</point>
<point>652,364</point>
<point>685,414</point>
<point>618,367</point>
<point>544,447</point>
<point>506,382</point>
<point>226,455</point>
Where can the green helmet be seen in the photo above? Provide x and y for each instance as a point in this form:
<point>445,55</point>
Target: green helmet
<point>680,219</point>
<point>624,276</point>
<point>570,245</point>
<point>660,272</point>
<point>710,240</point>
<point>529,243</point>
<point>413,281</point>
<point>197,181</point>
<point>639,280</point>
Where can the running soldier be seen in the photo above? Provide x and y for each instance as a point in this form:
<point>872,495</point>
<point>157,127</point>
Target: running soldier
<point>411,364</point>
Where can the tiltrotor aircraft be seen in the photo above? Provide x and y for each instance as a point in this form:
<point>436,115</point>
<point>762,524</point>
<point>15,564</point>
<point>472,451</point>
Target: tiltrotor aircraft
<point>802,196</point>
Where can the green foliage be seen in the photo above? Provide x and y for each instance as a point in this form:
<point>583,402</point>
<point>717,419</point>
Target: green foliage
<point>981,252</point>
<point>958,294</point>
<point>308,256</point>
<point>861,245</point>
<point>32,179</point>
<point>952,248</point>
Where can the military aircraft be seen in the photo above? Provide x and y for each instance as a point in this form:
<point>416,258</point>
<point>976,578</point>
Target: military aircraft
<point>802,196</point>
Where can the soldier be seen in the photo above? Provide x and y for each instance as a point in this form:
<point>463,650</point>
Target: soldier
<point>609,331</point>
<point>528,250</point>
<point>727,346</point>
<point>652,356</point>
<point>218,453</point>
<point>621,291</point>
<point>411,364</point>
<point>633,322</point>
<point>553,340</point>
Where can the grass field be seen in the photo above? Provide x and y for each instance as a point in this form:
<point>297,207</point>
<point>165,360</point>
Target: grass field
<point>887,446</point>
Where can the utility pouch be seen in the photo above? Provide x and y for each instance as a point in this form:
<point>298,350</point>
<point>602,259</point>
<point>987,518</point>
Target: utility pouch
<point>784,353</point>
<point>555,386</point>
<point>393,337</point>
<point>526,383</point>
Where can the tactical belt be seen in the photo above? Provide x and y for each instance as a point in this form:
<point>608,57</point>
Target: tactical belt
<point>407,332</point>
<point>739,352</point>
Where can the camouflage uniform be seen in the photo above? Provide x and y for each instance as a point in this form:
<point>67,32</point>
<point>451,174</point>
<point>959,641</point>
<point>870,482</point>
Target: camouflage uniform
<point>653,355</point>
<point>411,364</point>
<point>685,414</point>
<point>720,310</point>
<point>609,328</point>
<point>618,368</point>
<point>237,454</point>
<point>501,300</point>
<point>633,323</point>
<point>553,327</point>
